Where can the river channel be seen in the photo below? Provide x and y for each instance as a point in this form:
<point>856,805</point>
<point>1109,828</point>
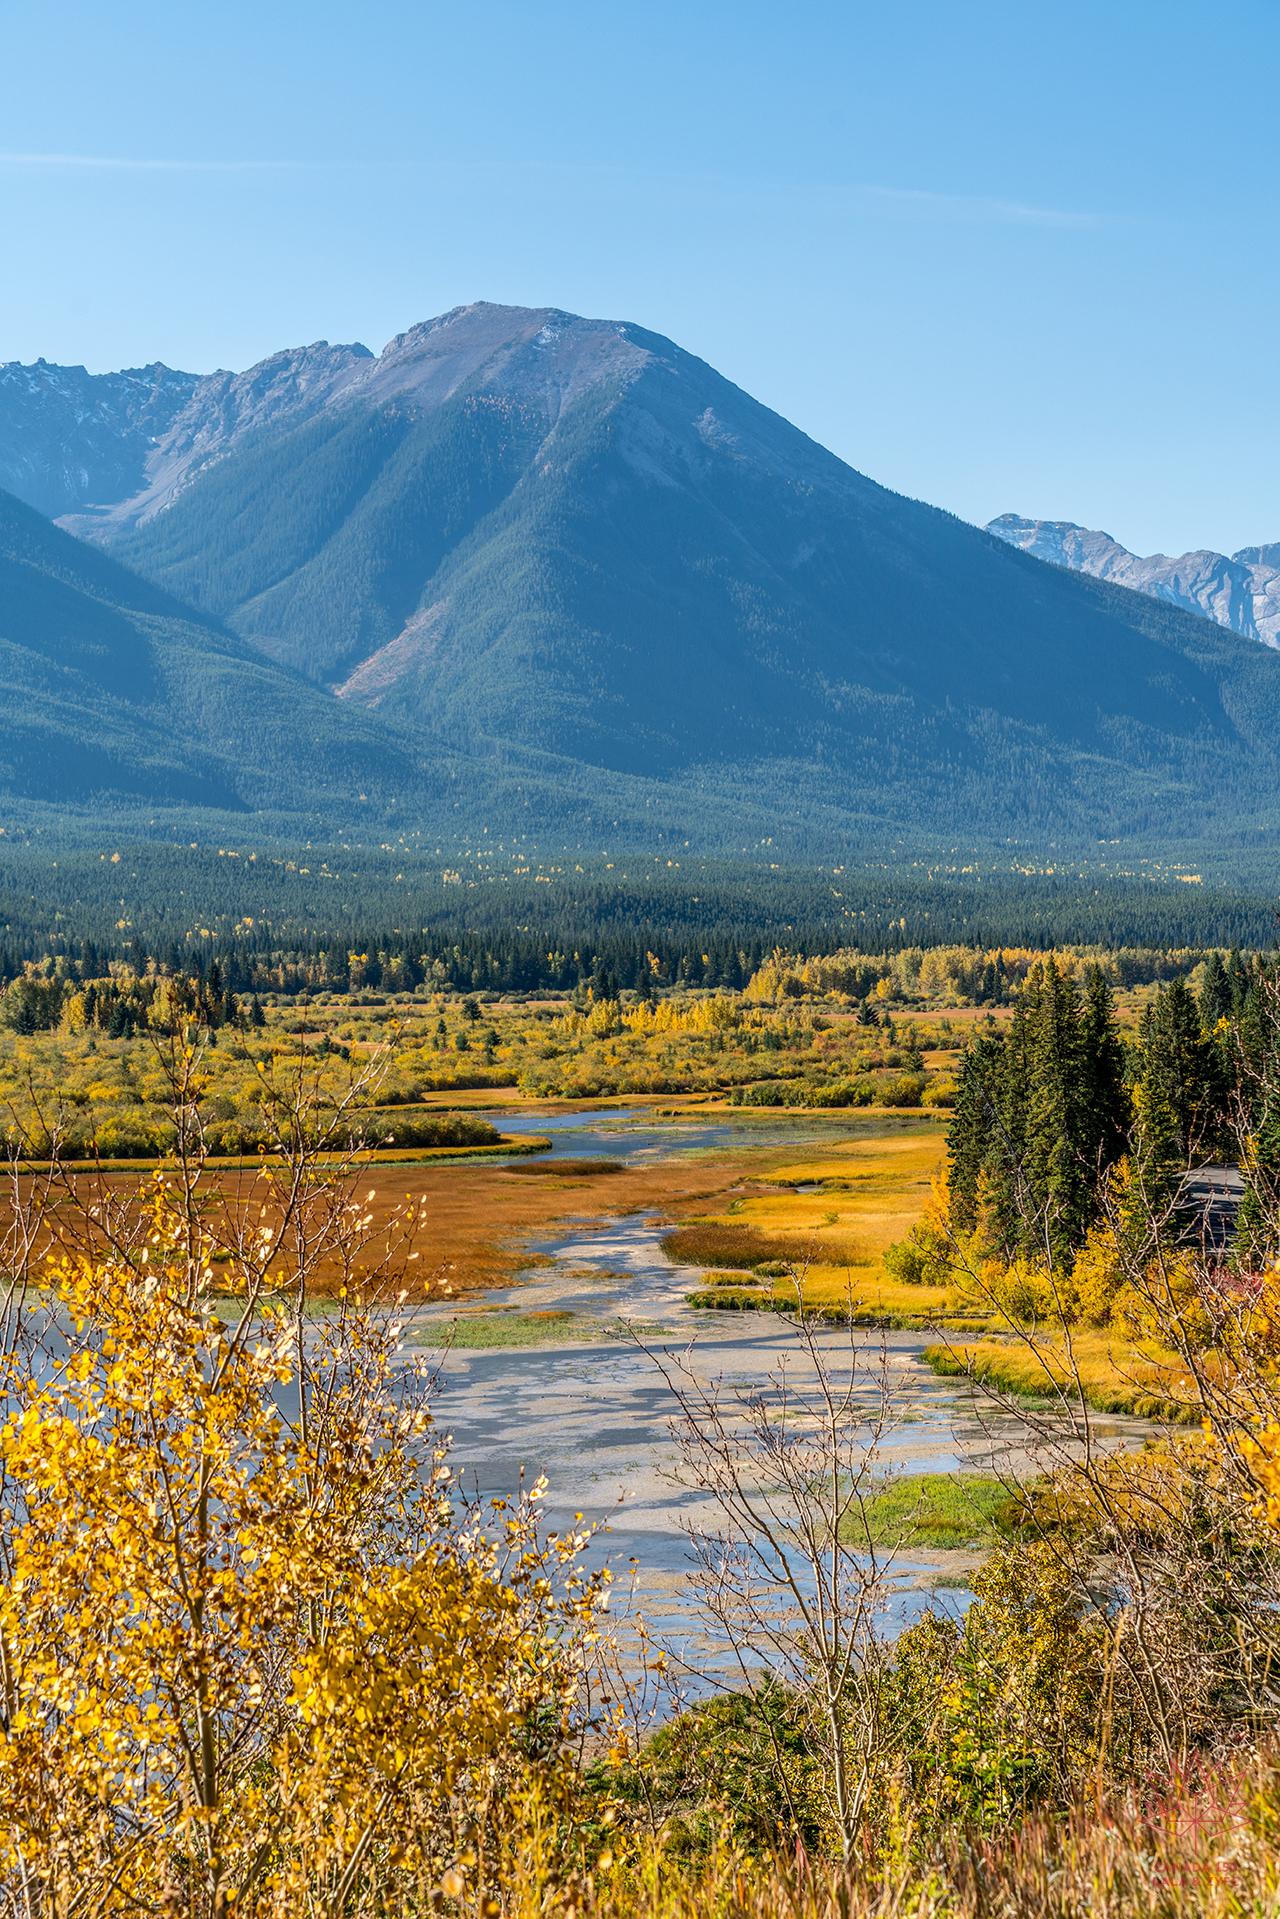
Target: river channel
<point>593,1414</point>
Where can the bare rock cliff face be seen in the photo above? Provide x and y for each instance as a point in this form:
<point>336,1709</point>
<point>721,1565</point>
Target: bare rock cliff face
<point>67,436</point>
<point>220,410</point>
<point>1240,591</point>
<point>100,452</point>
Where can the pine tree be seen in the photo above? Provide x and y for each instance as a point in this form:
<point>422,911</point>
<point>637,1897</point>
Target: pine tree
<point>1173,1090</point>
<point>1039,1113</point>
<point>1105,1135</point>
<point>1239,977</point>
<point>1057,1172</point>
<point>1258,1041</point>
<point>975,1122</point>
<point>1215,996</point>
<point>1011,1198</point>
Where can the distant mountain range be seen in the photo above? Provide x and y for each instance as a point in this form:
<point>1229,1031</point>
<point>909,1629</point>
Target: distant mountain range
<point>105,450</point>
<point>1240,590</point>
<point>544,568</point>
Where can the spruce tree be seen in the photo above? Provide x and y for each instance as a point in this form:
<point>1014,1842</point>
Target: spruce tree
<point>1215,995</point>
<point>1239,977</point>
<point>1011,1198</point>
<point>1106,1116</point>
<point>1172,1093</point>
<point>1257,1041</point>
<point>1055,1210</point>
<point>975,1124</point>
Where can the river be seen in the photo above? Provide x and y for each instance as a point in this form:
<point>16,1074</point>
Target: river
<point>593,1414</point>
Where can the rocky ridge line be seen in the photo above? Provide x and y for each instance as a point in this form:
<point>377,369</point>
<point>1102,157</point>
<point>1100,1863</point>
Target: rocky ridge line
<point>1240,591</point>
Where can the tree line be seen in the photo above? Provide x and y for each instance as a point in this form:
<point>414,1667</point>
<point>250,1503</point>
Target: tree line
<point>1045,1110</point>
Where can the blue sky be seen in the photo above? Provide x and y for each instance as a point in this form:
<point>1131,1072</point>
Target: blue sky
<point>996,257</point>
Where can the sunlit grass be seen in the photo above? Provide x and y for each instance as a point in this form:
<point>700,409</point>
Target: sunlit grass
<point>874,1186</point>
<point>942,1510</point>
<point>1112,1374</point>
<point>500,1330</point>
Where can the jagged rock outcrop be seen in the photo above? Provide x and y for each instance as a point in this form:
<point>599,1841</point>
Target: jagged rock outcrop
<point>68,437</point>
<point>1240,590</point>
<point>101,452</point>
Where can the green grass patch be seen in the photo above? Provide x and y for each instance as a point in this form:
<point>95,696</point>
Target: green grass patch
<point>737,1299</point>
<point>489,1330</point>
<point>942,1510</point>
<point>481,1332</point>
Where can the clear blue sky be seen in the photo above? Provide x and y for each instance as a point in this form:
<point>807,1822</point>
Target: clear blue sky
<point>997,257</point>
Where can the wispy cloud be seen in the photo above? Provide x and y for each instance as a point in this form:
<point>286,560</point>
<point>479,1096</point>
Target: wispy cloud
<point>111,163</point>
<point>602,181</point>
<point>975,209</point>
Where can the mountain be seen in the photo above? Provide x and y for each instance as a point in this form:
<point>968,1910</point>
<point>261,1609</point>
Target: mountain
<point>105,450</point>
<point>112,693</point>
<point>578,568</point>
<point>1241,591</point>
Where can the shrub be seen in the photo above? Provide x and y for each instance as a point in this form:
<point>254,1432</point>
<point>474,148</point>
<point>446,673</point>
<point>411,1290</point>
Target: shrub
<point>917,1260</point>
<point>257,1646</point>
<point>906,1090</point>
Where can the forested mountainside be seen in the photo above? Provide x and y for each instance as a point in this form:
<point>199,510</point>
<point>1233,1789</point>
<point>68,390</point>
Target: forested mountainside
<point>1240,590</point>
<point>114,693</point>
<point>588,542</point>
<point>574,565</point>
<point>556,912</point>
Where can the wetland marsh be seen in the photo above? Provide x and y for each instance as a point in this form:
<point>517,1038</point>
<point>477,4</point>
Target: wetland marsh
<point>558,1372</point>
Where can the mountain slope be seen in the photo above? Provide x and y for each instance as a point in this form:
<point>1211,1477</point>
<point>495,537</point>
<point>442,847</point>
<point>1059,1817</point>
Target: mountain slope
<point>67,436</point>
<point>569,536</point>
<point>113,693</point>
<point>1241,592</point>
<point>109,449</point>
<point>568,566</point>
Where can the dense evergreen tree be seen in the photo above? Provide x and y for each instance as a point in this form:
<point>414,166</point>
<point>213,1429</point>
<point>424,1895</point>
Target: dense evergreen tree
<point>1257,1096</point>
<point>976,1127</point>
<point>1105,1130</point>
<point>1174,1084</point>
<point>1240,977</point>
<point>1058,1171</point>
<point>1215,996</point>
<point>1040,1112</point>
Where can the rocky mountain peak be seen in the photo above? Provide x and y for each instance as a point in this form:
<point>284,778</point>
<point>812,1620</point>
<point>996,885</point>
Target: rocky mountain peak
<point>103,453</point>
<point>1241,591</point>
<point>67,435</point>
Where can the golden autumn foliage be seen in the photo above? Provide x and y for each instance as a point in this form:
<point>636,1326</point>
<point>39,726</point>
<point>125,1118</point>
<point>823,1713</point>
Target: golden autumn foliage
<point>255,1646</point>
<point>1262,1456</point>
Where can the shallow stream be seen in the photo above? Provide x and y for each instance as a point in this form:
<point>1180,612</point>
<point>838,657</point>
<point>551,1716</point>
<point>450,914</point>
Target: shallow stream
<point>594,1415</point>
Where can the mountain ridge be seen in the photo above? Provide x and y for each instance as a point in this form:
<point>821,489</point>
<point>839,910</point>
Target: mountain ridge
<point>114,694</point>
<point>580,569</point>
<point>1240,591</point>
